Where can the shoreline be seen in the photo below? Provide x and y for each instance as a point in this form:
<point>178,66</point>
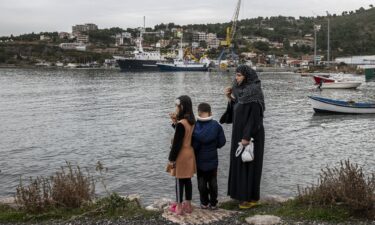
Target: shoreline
<point>274,209</point>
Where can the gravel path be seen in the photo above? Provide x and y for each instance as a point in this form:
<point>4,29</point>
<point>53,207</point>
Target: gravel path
<point>138,221</point>
<point>234,220</point>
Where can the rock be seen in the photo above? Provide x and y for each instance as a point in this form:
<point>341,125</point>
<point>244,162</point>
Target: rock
<point>225,199</point>
<point>263,220</point>
<point>159,205</point>
<point>152,208</point>
<point>162,203</point>
<point>199,216</point>
<point>10,201</point>
<point>273,199</point>
<point>133,197</point>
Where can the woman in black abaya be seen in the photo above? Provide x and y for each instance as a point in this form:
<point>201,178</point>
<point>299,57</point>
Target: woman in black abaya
<point>247,109</point>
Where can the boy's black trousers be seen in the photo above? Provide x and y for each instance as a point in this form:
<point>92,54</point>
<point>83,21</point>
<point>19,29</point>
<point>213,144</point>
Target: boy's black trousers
<point>207,185</point>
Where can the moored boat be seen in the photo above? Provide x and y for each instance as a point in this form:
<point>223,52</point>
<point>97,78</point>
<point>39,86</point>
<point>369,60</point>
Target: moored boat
<point>322,79</point>
<point>181,65</point>
<point>326,105</point>
<point>142,60</point>
<point>340,85</point>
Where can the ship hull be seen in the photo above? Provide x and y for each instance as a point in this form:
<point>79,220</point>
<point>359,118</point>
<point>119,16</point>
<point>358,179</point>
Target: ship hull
<point>168,67</point>
<point>137,65</point>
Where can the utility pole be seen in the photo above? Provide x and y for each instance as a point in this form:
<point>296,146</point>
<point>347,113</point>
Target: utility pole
<point>328,39</point>
<point>314,45</point>
<point>316,29</point>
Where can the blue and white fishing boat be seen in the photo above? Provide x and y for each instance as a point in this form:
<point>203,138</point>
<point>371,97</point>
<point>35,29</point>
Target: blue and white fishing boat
<point>181,64</point>
<point>327,105</point>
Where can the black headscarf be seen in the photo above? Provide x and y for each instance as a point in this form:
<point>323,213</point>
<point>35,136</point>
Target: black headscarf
<point>250,89</point>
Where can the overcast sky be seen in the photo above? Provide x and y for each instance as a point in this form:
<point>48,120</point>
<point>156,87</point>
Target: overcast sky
<point>26,16</point>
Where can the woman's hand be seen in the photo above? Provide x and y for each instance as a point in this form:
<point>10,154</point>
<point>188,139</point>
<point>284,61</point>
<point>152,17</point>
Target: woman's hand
<point>245,142</point>
<point>173,117</point>
<point>228,92</point>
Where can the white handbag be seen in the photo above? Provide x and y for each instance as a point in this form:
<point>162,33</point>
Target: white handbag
<point>246,152</point>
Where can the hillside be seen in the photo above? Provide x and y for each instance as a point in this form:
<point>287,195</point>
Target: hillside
<point>352,33</point>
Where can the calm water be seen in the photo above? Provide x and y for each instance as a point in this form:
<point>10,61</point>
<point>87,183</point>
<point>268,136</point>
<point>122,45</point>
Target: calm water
<point>121,119</point>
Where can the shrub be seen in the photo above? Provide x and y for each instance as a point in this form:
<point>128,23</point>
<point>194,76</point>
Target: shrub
<point>114,206</point>
<point>68,188</point>
<point>36,196</point>
<point>346,185</point>
<point>71,187</point>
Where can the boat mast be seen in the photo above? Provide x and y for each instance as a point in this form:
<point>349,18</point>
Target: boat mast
<point>328,40</point>
<point>180,51</point>
<point>316,29</point>
<point>141,31</point>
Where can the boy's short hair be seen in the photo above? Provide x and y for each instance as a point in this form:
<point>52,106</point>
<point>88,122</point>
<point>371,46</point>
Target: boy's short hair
<point>204,107</point>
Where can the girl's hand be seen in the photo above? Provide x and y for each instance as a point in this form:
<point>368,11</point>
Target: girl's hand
<point>245,142</point>
<point>172,164</point>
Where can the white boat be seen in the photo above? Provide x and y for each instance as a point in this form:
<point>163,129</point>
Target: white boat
<point>142,60</point>
<point>326,105</point>
<point>71,65</point>
<point>340,85</point>
<point>181,64</point>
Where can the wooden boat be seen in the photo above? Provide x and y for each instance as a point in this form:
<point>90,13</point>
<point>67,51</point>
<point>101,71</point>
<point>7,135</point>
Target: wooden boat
<point>326,105</point>
<point>340,85</point>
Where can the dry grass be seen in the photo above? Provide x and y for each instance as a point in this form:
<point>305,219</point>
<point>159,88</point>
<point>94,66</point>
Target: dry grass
<point>68,188</point>
<point>345,185</point>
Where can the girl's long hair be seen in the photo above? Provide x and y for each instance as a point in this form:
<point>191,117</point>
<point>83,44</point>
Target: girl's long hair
<point>185,109</point>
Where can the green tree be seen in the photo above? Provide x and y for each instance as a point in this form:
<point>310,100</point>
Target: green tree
<point>286,44</point>
<point>261,46</point>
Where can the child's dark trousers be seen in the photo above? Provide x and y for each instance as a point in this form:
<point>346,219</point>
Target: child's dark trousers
<point>207,185</point>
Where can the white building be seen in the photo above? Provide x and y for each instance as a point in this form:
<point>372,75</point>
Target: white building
<point>213,43</point>
<point>63,35</point>
<point>73,46</point>
<point>83,38</point>
<point>120,38</point>
<point>211,36</point>
<point>256,39</point>
<point>83,28</point>
<point>195,44</point>
<point>300,42</point>
<point>199,36</point>
<point>360,61</point>
<point>44,38</point>
<point>164,43</point>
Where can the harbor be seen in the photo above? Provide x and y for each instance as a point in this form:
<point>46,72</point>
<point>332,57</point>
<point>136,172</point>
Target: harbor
<point>87,103</point>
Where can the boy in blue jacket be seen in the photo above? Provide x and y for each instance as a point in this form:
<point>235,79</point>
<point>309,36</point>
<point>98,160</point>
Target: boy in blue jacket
<point>208,136</point>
